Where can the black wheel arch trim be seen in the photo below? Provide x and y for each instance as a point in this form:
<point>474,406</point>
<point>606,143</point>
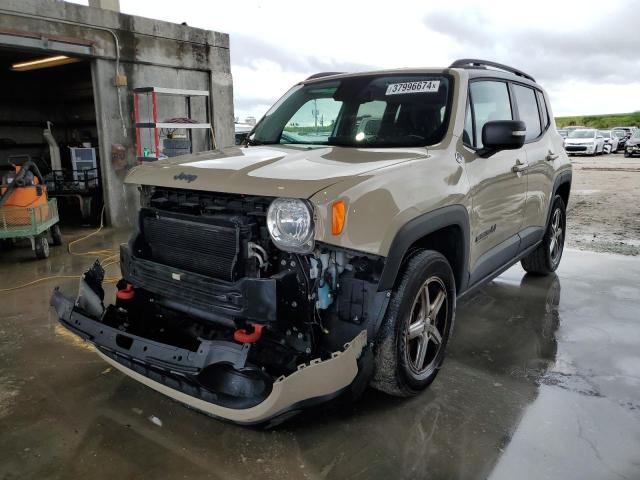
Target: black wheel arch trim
<point>561,179</point>
<point>420,227</point>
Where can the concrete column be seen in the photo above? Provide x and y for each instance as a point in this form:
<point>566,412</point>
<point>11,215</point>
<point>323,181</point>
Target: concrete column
<point>113,5</point>
<point>121,200</point>
<point>222,108</point>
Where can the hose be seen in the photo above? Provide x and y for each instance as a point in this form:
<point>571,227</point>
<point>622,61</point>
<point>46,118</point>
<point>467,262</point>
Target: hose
<point>111,259</point>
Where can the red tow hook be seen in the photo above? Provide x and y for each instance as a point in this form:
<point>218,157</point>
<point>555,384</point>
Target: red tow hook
<point>126,293</point>
<point>242,336</point>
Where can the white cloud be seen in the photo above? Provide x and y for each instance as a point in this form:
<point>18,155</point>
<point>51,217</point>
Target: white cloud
<point>590,64</point>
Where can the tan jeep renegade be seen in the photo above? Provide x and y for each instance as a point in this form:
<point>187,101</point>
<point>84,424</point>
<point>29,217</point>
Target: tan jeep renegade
<point>327,253</point>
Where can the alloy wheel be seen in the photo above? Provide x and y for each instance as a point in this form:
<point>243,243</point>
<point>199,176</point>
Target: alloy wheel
<point>427,322</point>
<point>557,241</point>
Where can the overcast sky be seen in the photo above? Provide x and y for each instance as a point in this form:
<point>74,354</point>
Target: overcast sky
<point>585,53</point>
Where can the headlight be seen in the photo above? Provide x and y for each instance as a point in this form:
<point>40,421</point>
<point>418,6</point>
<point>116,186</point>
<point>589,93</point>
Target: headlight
<point>290,224</point>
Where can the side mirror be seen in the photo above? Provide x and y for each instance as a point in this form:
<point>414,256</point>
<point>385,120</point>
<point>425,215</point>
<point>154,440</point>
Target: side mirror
<point>502,135</point>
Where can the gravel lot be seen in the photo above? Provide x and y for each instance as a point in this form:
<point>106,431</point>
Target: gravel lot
<point>604,208</point>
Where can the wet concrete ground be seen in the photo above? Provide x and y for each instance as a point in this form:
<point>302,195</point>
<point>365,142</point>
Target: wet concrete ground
<point>542,381</point>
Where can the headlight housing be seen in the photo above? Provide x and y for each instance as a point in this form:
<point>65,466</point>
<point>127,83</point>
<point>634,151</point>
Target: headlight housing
<point>290,224</point>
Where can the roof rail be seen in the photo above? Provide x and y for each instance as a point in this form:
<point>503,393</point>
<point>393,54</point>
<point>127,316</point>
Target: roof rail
<point>323,74</point>
<point>476,63</point>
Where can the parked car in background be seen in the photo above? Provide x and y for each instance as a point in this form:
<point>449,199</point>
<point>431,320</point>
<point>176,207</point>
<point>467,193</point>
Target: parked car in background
<point>623,135</point>
<point>611,143</point>
<point>242,130</point>
<point>633,145</point>
<point>563,133</point>
<point>587,141</point>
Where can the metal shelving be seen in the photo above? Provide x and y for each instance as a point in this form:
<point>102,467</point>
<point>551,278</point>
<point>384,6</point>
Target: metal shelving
<point>151,98</point>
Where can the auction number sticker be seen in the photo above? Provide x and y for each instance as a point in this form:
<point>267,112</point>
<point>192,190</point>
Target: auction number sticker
<point>413,87</point>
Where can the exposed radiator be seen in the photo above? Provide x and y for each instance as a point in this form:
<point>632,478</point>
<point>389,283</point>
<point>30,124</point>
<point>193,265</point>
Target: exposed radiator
<point>194,246</point>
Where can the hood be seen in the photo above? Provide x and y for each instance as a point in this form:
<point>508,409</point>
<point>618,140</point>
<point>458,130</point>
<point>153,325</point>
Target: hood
<point>276,171</point>
<point>633,141</point>
<point>579,140</point>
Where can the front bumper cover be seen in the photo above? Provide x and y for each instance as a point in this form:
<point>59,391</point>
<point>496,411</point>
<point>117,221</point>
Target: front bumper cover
<point>167,368</point>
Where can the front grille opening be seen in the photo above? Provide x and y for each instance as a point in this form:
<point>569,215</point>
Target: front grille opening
<point>210,245</point>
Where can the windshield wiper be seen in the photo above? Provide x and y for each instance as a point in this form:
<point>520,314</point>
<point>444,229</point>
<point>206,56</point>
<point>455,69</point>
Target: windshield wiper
<point>255,143</point>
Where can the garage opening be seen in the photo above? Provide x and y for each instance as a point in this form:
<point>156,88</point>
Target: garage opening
<point>48,116</point>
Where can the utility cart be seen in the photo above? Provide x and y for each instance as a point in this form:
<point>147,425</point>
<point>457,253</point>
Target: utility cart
<point>25,209</point>
<point>34,223</point>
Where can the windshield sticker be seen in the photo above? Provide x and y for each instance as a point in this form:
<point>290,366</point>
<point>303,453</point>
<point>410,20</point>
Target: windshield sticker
<point>425,86</point>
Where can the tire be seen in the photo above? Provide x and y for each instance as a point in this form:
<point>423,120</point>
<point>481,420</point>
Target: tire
<point>546,258</point>
<point>56,235</point>
<point>399,369</point>
<point>627,154</point>
<point>42,246</point>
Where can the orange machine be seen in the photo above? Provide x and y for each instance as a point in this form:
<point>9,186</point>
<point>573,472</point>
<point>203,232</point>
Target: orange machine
<point>22,188</point>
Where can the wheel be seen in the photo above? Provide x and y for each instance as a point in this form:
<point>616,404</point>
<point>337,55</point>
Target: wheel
<point>627,154</point>
<point>56,235</point>
<point>411,343</point>
<point>546,258</point>
<point>42,246</point>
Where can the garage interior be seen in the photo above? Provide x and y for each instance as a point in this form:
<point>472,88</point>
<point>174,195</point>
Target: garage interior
<point>48,116</point>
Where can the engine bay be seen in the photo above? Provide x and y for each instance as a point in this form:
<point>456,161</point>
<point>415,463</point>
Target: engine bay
<point>202,268</point>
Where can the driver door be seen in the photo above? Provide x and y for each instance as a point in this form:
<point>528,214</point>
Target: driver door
<point>498,183</point>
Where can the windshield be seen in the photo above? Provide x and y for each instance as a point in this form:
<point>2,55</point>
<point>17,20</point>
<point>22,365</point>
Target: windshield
<point>619,133</point>
<point>582,134</point>
<point>605,133</point>
<point>366,111</point>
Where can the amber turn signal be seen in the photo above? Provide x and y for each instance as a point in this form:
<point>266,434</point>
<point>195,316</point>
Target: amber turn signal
<point>339,211</point>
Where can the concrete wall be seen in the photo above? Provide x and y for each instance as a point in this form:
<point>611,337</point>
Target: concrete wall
<point>152,53</point>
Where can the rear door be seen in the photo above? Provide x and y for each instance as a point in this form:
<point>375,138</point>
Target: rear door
<point>499,183</point>
<point>542,147</point>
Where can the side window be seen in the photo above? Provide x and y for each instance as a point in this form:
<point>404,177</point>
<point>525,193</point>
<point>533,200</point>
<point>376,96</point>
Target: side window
<point>313,122</point>
<point>544,111</point>
<point>490,102</point>
<point>528,110</point>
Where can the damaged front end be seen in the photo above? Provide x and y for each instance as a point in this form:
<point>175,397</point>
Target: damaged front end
<point>211,313</point>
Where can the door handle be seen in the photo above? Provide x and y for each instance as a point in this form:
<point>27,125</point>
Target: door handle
<point>519,167</point>
<point>551,156</point>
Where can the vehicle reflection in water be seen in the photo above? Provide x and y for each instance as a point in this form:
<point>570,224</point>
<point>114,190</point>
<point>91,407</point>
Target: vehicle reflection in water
<point>504,340</point>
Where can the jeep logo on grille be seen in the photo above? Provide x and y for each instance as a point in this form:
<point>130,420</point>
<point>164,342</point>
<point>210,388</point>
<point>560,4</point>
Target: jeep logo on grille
<point>185,176</point>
